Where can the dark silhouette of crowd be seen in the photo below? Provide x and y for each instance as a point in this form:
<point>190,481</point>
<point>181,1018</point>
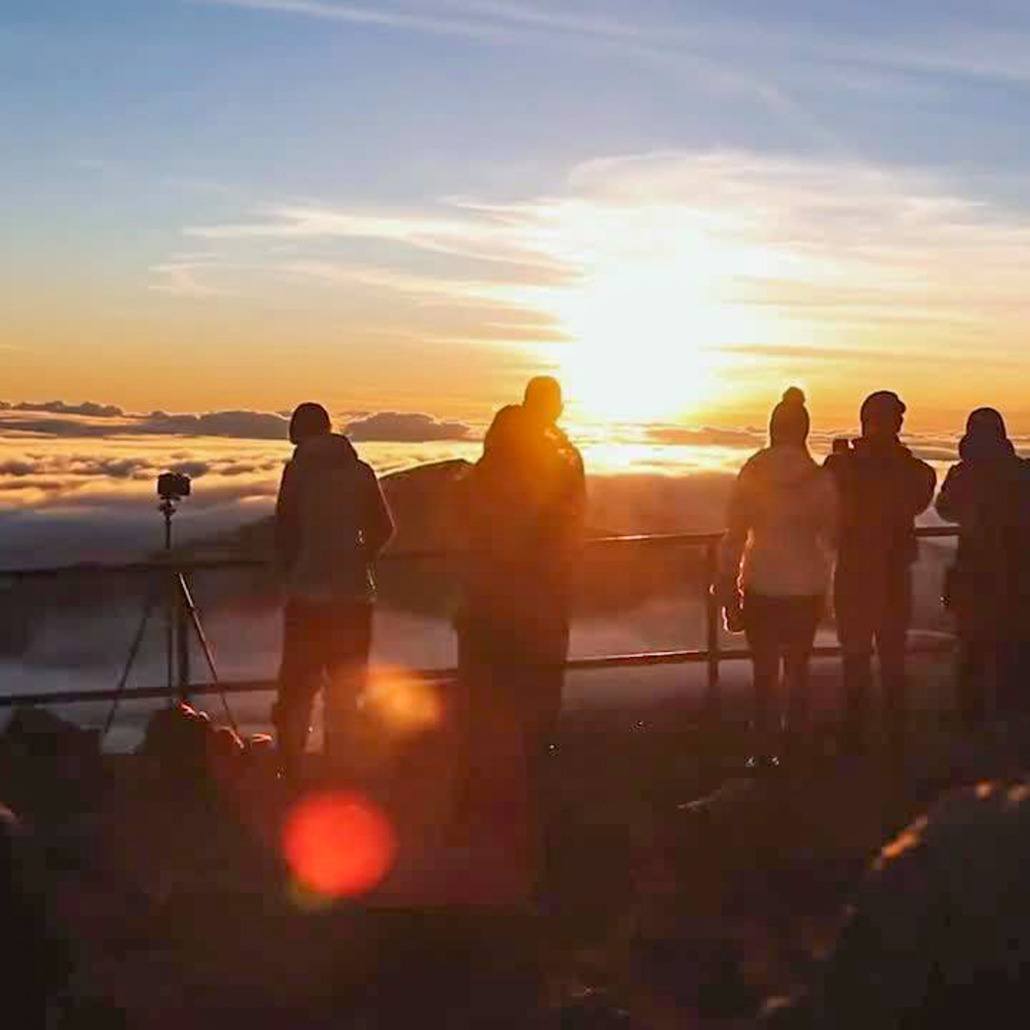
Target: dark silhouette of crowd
<point>194,834</point>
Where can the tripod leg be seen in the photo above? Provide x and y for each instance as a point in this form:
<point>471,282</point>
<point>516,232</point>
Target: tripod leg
<point>129,661</point>
<point>191,610</point>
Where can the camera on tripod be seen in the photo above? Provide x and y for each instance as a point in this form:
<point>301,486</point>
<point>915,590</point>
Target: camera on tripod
<point>171,591</point>
<point>173,486</point>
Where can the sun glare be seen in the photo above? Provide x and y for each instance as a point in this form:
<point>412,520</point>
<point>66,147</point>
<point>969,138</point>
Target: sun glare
<point>638,346</point>
<point>643,325</point>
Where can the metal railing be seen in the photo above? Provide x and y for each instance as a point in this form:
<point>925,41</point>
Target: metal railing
<point>711,656</point>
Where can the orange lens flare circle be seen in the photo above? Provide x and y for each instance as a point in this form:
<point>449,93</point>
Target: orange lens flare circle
<point>338,844</point>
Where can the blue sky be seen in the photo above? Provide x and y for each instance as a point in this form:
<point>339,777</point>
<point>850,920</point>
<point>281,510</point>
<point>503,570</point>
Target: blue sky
<point>136,134</point>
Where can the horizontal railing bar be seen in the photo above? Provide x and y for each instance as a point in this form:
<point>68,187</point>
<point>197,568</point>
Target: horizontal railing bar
<point>936,645</point>
<point>214,564</point>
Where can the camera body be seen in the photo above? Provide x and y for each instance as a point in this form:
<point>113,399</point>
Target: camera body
<point>173,486</point>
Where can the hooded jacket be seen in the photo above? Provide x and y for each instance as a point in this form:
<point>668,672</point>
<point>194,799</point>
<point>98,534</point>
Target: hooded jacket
<point>780,526</point>
<point>331,522</point>
<point>882,487</point>
<point>988,494</point>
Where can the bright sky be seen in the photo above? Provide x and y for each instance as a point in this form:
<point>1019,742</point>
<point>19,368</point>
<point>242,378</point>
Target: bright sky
<point>682,207</point>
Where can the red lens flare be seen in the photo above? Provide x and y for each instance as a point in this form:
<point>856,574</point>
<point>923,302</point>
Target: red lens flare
<point>338,844</point>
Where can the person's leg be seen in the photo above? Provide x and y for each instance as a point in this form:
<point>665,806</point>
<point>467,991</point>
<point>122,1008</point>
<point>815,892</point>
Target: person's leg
<point>762,630</point>
<point>972,673</point>
<point>854,604</point>
<point>300,677</point>
<point>471,685</point>
<point>1009,679</point>
<point>349,642</point>
<point>799,638</point>
<point>543,691</point>
<point>891,641</point>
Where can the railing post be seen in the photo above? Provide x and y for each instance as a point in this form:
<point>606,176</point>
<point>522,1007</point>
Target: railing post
<point>182,630</point>
<point>713,647</point>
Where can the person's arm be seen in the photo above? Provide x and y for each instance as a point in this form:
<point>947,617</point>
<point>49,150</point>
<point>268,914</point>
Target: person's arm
<point>377,524</point>
<point>577,499</point>
<point>287,520</point>
<point>738,525</point>
<point>924,483</point>
<point>953,500</point>
<point>829,508</point>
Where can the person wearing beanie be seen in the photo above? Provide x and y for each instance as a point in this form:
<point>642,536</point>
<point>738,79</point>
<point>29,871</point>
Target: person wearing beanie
<point>988,588</point>
<point>882,488</point>
<point>775,561</point>
<point>331,521</point>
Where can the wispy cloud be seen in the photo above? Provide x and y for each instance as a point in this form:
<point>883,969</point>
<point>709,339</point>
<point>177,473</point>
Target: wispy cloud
<point>737,247</point>
<point>190,275</point>
<point>381,15</point>
<point>997,49</point>
<point>680,51</point>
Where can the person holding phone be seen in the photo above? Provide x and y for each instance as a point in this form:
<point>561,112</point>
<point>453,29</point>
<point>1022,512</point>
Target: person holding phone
<point>882,488</point>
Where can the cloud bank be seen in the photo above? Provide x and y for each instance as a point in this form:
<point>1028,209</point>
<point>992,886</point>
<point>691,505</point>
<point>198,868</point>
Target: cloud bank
<point>89,419</point>
<point>404,427</point>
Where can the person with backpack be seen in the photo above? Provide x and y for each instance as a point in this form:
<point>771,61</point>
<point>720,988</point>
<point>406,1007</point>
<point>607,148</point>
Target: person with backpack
<point>775,561</point>
<point>331,522</point>
<point>882,487</point>
<point>988,588</point>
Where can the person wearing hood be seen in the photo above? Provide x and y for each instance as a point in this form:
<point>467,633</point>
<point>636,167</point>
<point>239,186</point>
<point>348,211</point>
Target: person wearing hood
<point>988,588</point>
<point>775,563</point>
<point>882,488</point>
<point>331,522</point>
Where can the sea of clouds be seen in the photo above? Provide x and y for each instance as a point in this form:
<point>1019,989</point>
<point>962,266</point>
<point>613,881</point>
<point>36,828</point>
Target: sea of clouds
<point>77,483</point>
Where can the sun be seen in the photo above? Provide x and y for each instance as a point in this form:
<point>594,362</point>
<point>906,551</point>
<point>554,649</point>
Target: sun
<point>639,344</point>
<point>661,296</point>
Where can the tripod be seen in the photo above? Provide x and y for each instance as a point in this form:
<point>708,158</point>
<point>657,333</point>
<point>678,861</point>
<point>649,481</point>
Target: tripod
<point>181,616</point>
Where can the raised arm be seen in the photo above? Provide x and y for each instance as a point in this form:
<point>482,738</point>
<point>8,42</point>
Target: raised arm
<point>287,520</point>
<point>377,523</point>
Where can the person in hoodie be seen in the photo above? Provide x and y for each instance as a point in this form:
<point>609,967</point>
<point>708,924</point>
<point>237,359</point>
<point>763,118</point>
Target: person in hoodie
<point>775,565</point>
<point>331,522</point>
<point>882,488</point>
<point>988,494</point>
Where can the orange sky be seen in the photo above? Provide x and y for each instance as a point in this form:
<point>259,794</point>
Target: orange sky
<point>663,287</point>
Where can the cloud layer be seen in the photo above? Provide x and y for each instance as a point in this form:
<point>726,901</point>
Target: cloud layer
<point>88,419</point>
<point>405,427</point>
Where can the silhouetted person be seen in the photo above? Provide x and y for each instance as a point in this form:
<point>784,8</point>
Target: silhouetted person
<point>562,483</point>
<point>35,965</point>
<point>525,498</point>
<point>543,404</point>
<point>331,523</point>
<point>882,488</point>
<point>775,559</point>
<point>988,494</point>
